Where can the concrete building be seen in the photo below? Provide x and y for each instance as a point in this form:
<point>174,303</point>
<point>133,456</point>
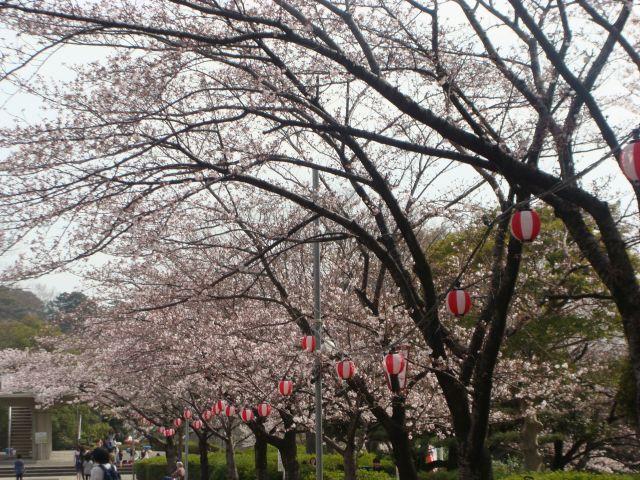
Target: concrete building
<point>29,427</point>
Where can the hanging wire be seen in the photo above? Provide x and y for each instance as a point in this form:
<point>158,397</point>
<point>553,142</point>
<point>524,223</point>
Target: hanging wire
<point>524,203</point>
<point>515,206</point>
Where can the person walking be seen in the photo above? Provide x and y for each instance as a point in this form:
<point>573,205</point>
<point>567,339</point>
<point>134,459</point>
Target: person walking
<point>103,468</point>
<point>18,466</point>
<point>179,472</point>
<point>78,455</point>
<point>87,465</point>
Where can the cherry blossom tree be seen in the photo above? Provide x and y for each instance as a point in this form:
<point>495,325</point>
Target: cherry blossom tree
<point>200,98</point>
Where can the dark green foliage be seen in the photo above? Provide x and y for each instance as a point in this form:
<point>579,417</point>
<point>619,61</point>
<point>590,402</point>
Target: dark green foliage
<point>64,425</point>
<point>16,304</point>
<point>21,314</point>
<point>67,309</point>
<point>154,469</point>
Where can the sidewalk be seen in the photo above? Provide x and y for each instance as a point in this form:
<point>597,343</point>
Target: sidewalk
<point>59,458</point>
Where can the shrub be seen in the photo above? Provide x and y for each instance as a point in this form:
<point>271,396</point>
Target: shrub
<point>155,469</point>
<point>444,475</point>
<point>441,475</point>
<point>568,476</point>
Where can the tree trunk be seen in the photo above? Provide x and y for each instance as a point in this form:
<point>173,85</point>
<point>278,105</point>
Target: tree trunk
<point>171,453</point>
<point>402,453</point>
<point>260,452</point>
<point>289,453</point>
<point>203,447</point>
<point>557,463</point>
<point>350,464</point>
<point>310,442</point>
<point>472,468</point>
<point>630,321</point>
<point>232,470</point>
<point>452,458</point>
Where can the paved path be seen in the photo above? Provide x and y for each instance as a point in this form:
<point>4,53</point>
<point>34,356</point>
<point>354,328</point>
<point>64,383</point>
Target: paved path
<point>59,458</point>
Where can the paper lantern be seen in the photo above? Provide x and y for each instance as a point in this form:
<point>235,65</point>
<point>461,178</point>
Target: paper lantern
<point>229,410</point>
<point>308,343</point>
<point>394,363</point>
<point>207,414</point>
<point>458,302</point>
<point>218,407</point>
<point>177,422</point>
<point>630,161</point>
<point>187,414</point>
<point>345,369</point>
<point>285,387</point>
<point>161,430</point>
<point>525,225</point>
<point>246,414</point>
<point>197,424</point>
<point>264,409</point>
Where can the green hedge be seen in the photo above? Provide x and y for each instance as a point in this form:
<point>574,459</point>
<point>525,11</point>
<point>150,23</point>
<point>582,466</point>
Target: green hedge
<point>155,469</point>
<point>570,476</point>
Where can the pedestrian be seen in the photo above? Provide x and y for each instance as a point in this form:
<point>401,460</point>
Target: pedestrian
<point>179,472</point>
<point>111,440</point>
<point>103,468</point>
<point>78,455</point>
<point>18,466</point>
<point>87,465</point>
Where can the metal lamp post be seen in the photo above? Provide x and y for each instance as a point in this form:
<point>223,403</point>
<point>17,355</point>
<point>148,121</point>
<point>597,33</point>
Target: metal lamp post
<point>186,449</point>
<point>318,334</point>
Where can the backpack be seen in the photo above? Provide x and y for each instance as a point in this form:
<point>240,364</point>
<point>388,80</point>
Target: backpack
<point>110,473</point>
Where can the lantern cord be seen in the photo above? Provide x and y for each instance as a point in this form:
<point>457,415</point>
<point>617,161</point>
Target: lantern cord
<point>556,188</point>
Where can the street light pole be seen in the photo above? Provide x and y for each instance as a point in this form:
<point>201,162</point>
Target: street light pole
<point>186,449</point>
<point>318,333</point>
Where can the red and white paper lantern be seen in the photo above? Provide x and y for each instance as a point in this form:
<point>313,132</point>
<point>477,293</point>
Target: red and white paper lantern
<point>285,387</point>
<point>197,424</point>
<point>247,415</point>
<point>308,343</point>
<point>229,411</point>
<point>394,363</point>
<point>396,367</point>
<point>525,225</point>
<point>630,161</point>
<point>345,369</point>
<point>206,415</point>
<point>264,409</point>
<point>187,414</point>
<point>218,407</point>
<point>169,432</point>
<point>458,302</point>
<point>177,422</point>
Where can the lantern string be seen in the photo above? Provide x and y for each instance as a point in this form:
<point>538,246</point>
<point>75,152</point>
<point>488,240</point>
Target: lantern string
<point>556,188</point>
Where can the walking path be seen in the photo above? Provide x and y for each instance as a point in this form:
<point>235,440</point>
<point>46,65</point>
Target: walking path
<point>58,467</point>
